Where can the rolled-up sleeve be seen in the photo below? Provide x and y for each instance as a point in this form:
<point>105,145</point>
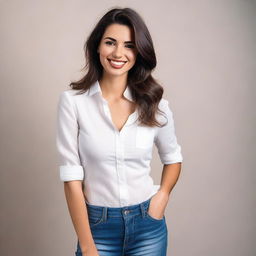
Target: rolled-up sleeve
<point>70,167</point>
<point>166,141</point>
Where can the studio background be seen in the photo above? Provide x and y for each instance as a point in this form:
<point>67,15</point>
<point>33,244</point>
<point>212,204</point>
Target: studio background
<point>206,63</point>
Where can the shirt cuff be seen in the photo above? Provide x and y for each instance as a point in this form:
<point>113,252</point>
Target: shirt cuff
<point>71,172</point>
<point>171,158</point>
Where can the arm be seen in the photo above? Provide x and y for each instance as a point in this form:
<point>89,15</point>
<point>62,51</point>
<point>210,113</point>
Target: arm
<point>170,154</point>
<point>170,175</point>
<point>71,170</point>
<point>78,212</point>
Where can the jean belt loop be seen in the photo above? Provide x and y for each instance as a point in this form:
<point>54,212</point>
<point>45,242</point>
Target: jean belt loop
<point>105,210</point>
<point>142,207</point>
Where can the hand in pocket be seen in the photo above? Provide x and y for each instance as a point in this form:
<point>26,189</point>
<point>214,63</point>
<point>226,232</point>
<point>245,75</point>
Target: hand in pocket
<point>158,203</point>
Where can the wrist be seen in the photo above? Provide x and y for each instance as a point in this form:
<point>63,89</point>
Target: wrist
<point>164,192</point>
<point>89,248</point>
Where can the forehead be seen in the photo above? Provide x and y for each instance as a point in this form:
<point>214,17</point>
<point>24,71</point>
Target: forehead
<point>119,32</point>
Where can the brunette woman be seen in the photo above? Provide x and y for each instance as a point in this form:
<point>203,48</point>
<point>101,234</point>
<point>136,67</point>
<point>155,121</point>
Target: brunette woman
<point>107,125</point>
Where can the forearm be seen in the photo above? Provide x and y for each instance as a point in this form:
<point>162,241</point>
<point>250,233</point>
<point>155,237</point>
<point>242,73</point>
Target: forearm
<point>78,212</point>
<point>170,175</point>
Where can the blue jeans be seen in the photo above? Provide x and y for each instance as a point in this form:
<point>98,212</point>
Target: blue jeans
<point>126,231</point>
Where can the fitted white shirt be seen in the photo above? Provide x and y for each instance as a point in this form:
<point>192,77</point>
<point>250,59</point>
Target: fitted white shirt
<point>114,166</point>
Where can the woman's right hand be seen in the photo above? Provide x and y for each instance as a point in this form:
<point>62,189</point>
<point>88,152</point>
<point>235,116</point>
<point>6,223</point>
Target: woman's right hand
<point>91,252</point>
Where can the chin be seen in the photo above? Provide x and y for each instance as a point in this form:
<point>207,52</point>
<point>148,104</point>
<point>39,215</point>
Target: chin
<point>116,73</point>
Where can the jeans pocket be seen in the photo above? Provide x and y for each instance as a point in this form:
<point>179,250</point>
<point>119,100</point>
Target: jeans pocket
<point>153,218</point>
<point>149,216</point>
<point>95,220</point>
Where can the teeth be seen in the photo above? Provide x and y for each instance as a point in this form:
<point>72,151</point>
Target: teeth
<point>119,63</point>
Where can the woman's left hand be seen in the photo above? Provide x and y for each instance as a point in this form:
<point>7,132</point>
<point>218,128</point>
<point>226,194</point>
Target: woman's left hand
<point>158,204</point>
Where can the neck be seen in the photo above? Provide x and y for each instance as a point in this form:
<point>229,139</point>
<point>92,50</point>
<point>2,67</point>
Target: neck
<point>112,87</point>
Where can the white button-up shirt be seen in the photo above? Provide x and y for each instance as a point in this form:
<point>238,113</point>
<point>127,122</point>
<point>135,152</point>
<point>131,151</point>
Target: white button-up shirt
<point>114,166</point>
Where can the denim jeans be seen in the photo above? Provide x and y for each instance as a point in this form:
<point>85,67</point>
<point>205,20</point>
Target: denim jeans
<point>126,231</point>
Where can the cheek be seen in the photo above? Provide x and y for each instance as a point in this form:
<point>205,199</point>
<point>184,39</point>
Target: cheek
<point>103,57</point>
<point>105,51</point>
<point>132,57</point>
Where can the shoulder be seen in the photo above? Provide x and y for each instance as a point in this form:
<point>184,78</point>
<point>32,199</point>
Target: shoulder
<point>164,111</point>
<point>68,98</point>
<point>67,101</point>
<point>71,95</point>
<point>164,105</point>
<point>163,102</point>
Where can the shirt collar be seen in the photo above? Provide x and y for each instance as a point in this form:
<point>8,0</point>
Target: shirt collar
<point>95,88</point>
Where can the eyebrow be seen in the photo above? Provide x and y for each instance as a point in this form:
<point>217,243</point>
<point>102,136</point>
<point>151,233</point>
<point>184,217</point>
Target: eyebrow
<point>115,40</point>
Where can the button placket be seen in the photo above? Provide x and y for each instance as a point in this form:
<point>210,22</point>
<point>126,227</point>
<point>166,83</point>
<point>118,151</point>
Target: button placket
<point>119,148</point>
<point>119,156</point>
<point>121,169</point>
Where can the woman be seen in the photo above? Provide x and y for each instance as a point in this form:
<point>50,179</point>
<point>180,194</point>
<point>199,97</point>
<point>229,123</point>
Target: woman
<point>107,126</point>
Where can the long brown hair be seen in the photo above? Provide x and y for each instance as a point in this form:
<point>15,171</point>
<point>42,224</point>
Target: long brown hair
<point>145,90</point>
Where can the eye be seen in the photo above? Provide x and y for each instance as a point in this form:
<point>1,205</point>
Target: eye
<point>130,46</point>
<point>109,42</point>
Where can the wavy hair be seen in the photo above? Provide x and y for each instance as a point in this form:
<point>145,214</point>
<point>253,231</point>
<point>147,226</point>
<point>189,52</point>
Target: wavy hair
<point>145,90</point>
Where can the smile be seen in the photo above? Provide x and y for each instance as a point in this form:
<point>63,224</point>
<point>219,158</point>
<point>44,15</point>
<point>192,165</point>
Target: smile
<point>116,64</point>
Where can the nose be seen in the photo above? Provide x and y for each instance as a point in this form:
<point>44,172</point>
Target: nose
<point>117,53</point>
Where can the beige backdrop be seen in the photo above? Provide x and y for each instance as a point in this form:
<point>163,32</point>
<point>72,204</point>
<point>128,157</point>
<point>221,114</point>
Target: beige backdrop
<point>206,62</point>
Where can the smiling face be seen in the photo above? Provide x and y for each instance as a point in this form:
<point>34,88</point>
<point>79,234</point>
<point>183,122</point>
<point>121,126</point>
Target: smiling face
<point>117,50</point>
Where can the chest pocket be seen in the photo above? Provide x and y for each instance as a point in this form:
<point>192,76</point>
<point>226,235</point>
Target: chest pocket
<point>144,137</point>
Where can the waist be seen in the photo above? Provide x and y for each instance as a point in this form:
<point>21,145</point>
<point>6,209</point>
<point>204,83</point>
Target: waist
<point>132,210</point>
<point>117,195</point>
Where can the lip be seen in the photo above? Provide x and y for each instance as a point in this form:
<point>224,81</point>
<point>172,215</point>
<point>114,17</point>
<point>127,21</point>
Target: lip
<point>118,60</point>
<point>116,66</point>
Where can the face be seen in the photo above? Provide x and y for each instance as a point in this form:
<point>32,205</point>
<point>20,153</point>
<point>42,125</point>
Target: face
<point>117,50</point>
